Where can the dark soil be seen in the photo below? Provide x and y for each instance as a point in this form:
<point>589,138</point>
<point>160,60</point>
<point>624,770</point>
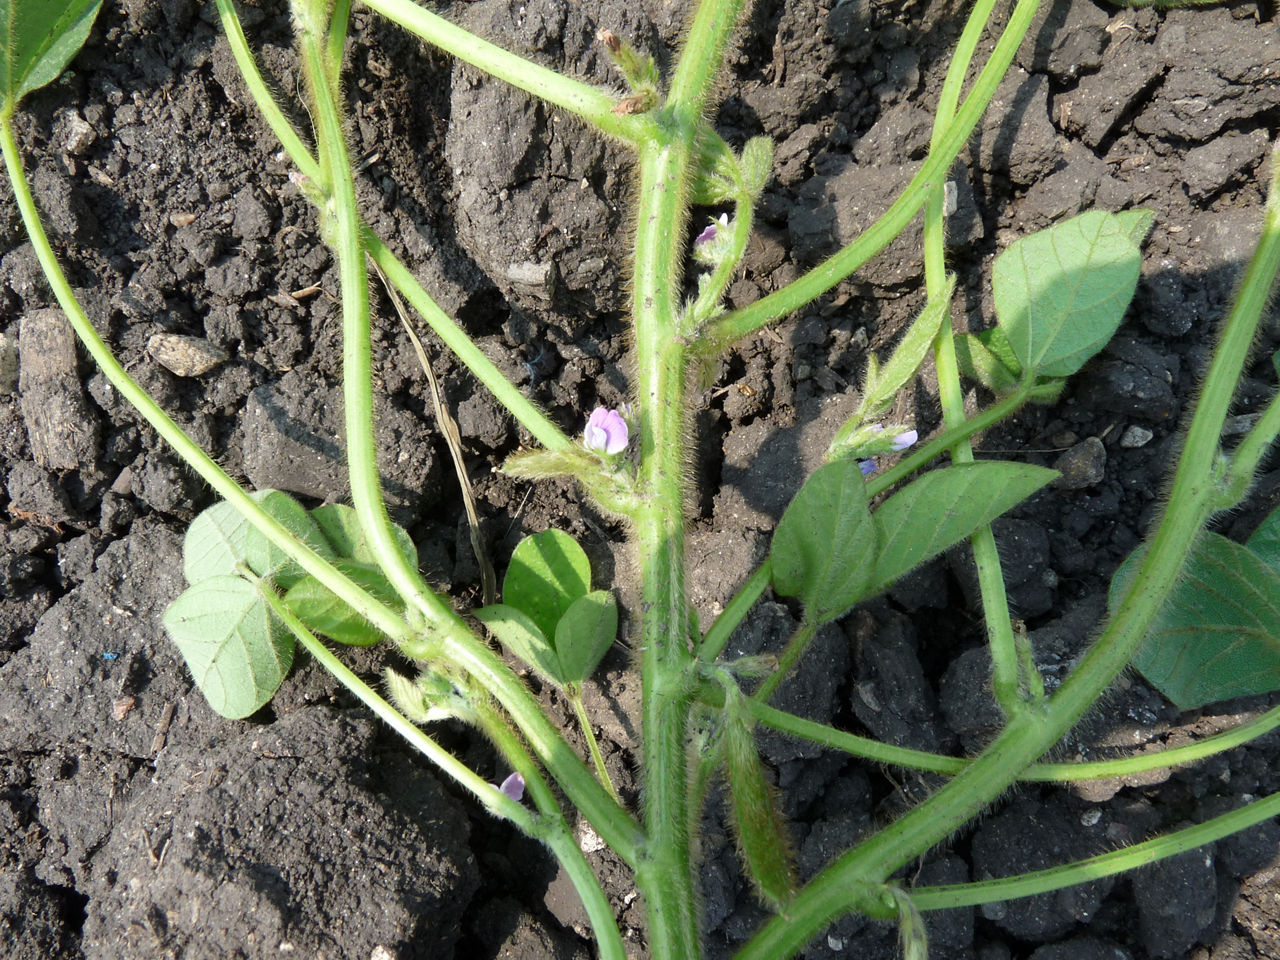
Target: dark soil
<point>136,823</point>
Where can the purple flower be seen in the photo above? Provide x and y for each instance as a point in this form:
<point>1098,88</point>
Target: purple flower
<point>867,467</point>
<point>512,787</point>
<point>904,440</point>
<point>711,230</point>
<point>606,432</point>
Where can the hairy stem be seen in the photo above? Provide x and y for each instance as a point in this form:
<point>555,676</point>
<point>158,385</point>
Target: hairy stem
<point>376,613</point>
<point>589,103</point>
<point>995,602</point>
<point>737,324</point>
<point>454,639</point>
<point>851,881</point>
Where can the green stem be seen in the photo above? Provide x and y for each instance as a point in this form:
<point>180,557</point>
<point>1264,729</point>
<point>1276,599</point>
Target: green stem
<point>1041,772</point>
<point>357,370</point>
<point>455,640</point>
<point>791,654</point>
<point>1248,454</point>
<point>376,613</point>
<point>549,828</point>
<point>464,348</point>
<point>740,323</point>
<point>666,663</point>
<point>739,606</point>
<point>665,875</point>
<point>995,602</point>
<point>708,302</point>
<point>492,800</point>
<point>453,336</point>
<point>339,22</point>
<point>880,482</point>
<point>592,105</point>
<point>844,884</point>
<point>584,723</point>
<point>1105,865</point>
<point>262,96</point>
<point>555,831</point>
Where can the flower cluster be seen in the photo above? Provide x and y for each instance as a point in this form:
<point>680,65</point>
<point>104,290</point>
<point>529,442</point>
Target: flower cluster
<point>899,443</point>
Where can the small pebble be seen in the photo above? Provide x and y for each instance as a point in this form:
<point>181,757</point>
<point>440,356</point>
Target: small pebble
<point>1084,465</point>
<point>1135,437</point>
<point>185,356</point>
<point>1241,424</point>
<point>77,134</point>
<point>8,363</point>
<point>539,278</point>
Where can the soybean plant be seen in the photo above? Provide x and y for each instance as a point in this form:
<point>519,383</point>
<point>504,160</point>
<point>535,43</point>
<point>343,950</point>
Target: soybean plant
<point>268,574</point>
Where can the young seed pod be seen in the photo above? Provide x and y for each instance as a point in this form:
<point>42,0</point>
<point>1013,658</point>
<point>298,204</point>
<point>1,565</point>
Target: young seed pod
<point>763,836</point>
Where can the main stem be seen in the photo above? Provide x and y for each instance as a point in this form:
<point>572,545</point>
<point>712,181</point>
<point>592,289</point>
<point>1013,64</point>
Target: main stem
<point>664,872</point>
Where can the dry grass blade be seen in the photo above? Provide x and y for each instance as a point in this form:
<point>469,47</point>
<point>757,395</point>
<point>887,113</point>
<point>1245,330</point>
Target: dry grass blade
<point>453,437</point>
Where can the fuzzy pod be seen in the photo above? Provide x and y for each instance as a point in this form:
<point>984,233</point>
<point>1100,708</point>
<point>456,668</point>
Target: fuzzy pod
<point>762,832</point>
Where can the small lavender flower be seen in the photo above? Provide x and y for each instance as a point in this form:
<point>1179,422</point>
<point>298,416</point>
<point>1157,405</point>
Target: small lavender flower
<point>606,432</point>
<point>709,232</point>
<point>512,787</point>
<point>868,467</point>
<point>904,440</point>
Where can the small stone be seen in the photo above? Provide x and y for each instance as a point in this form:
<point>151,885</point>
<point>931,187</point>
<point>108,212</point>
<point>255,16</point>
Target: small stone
<point>77,134</point>
<point>1240,424</point>
<point>538,278</point>
<point>185,356</point>
<point>1135,437</point>
<point>121,708</point>
<point>1084,465</point>
<point>61,424</point>
<point>8,363</point>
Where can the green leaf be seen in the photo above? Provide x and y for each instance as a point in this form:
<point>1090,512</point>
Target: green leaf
<point>1217,636</point>
<point>942,507</point>
<point>322,611</point>
<point>214,543</point>
<point>978,363</point>
<point>38,38</point>
<point>521,636</point>
<point>542,464</point>
<point>237,650</point>
<point>1265,542</point>
<point>406,696</point>
<point>548,571</point>
<point>264,557</point>
<point>757,164</point>
<point>585,633</point>
<point>825,546</point>
<point>763,838</point>
<point>715,169</point>
<point>883,382</point>
<point>1060,294</point>
<point>1136,223</point>
<point>341,528</point>
<point>219,539</point>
